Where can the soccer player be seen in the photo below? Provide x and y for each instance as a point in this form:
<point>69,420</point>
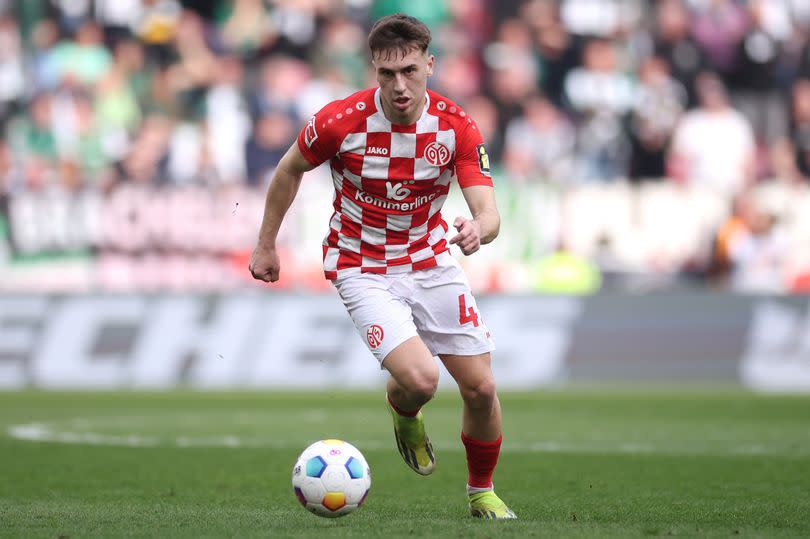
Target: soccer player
<point>393,152</point>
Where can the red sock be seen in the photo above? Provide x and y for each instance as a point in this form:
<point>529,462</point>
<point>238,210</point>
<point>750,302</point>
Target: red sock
<point>482,457</point>
<point>402,412</point>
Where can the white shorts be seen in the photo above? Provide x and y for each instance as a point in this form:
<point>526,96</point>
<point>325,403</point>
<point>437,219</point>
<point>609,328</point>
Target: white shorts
<point>435,304</point>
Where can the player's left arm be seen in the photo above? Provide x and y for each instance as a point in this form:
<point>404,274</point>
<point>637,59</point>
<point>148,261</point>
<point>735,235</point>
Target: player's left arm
<point>485,222</point>
<point>475,179</point>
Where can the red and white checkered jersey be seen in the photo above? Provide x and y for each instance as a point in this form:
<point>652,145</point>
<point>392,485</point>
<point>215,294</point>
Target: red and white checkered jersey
<point>391,180</point>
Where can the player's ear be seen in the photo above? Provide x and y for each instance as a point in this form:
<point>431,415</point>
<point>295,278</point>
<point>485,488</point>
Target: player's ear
<point>430,63</point>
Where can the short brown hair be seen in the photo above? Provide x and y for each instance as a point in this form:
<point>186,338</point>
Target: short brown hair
<point>398,32</point>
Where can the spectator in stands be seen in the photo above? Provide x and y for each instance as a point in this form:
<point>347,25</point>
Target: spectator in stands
<point>9,178</point>
<point>145,162</point>
<point>196,66</point>
<point>660,101</point>
<point>713,145</point>
<point>742,212</point>
<point>485,112</point>
<point>512,68</point>
<point>342,51</point>
<point>12,77</point>
<point>84,60</point>
<point>753,81</point>
<point>751,249</point>
<point>540,144</point>
<point>600,95</point>
<point>758,256</point>
<point>116,18</point>
<point>603,18</point>
<point>558,50</point>
<point>156,27</point>
<point>129,60</point>
<point>281,85</point>
<point>246,27</point>
<point>228,124</point>
<point>674,43</point>
<point>783,163</point>
<point>718,27</point>
<point>272,136</point>
<point>36,132</point>
<point>800,121</point>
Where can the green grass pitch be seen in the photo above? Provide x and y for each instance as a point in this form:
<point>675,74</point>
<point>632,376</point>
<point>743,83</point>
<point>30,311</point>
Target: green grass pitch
<point>575,463</point>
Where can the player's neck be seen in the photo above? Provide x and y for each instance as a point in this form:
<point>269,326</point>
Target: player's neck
<point>403,119</point>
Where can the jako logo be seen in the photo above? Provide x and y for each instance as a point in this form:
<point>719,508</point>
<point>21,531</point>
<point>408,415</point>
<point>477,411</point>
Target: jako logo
<point>376,150</point>
<point>396,191</point>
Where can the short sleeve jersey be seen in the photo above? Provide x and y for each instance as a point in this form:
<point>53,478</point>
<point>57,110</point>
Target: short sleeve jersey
<point>391,180</point>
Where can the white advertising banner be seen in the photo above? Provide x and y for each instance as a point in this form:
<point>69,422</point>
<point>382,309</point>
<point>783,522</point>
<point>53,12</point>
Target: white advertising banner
<point>307,341</point>
<point>241,341</point>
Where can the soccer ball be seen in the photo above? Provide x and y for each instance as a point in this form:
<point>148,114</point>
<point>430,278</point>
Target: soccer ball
<point>331,478</point>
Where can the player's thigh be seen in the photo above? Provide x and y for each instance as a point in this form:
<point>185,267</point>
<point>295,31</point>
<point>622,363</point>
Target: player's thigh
<point>446,313</point>
<point>472,372</point>
<point>383,319</point>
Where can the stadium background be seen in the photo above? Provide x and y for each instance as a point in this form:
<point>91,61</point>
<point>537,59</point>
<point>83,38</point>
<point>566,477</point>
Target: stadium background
<point>651,161</point>
<point>651,271</point>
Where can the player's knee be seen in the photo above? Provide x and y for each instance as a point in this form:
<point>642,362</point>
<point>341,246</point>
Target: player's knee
<point>480,395</point>
<point>423,384</point>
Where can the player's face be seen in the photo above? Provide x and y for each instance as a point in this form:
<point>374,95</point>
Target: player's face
<point>403,81</point>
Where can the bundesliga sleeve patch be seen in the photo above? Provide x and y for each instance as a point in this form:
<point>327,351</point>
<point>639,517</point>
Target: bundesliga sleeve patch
<point>311,135</point>
<point>483,160</point>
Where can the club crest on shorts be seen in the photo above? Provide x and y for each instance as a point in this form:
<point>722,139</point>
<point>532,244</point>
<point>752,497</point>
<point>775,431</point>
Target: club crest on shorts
<point>374,336</point>
<point>437,154</point>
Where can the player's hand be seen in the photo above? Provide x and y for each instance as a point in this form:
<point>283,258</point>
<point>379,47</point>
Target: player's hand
<point>469,235</point>
<point>265,264</point>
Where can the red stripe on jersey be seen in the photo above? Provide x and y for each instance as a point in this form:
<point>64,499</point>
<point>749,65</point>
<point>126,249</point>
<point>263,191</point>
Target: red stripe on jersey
<point>400,261</point>
<point>410,128</point>
<point>418,245</point>
<point>400,168</point>
<point>331,239</point>
<point>425,264</point>
<point>353,162</point>
<point>349,228</point>
<point>348,259</point>
<point>374,217</point>
<point>336,165</point>
<point>348,190</point>
<point>440,247</point>
<point>396,237</point>
<point>436,220</point>
<point>372,250</point>
<point>420,218</point>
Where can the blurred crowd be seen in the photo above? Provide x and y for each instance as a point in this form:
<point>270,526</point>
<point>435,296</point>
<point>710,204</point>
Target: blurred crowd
<point>98,93</point>
<point>713,92</point>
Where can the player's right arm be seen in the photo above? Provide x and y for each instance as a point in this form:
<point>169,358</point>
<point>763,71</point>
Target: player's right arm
<point>264,263</point>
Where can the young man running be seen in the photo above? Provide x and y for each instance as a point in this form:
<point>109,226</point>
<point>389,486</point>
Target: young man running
<point>393,152</point>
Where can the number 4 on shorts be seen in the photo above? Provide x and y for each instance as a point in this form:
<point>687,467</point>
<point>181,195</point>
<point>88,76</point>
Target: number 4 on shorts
<point>466,315</point>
